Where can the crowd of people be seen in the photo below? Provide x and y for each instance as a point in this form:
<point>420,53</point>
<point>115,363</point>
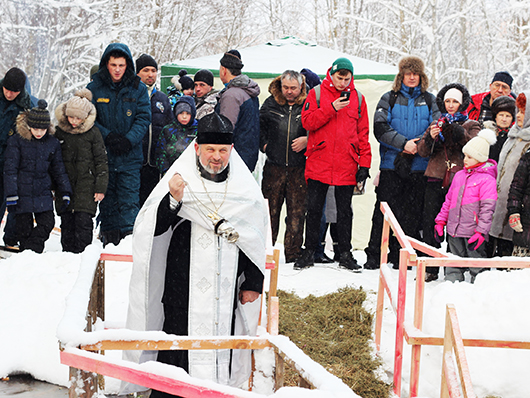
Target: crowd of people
<point>452,166</point>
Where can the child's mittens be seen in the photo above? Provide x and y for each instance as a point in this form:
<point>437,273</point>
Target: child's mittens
<point>515,222</point>
<point>439,232</point>
<point>477,237</point>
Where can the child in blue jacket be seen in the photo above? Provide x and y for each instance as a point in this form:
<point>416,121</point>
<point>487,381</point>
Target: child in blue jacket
<point>32,161</point>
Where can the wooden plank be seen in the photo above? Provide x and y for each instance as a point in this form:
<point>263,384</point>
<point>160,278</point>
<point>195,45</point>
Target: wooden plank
<point>496,262</point>
<point>292,365</point>
<point>458,345</point>
<point>116,257</point>
<point>450,387</point>
<point>149,380</point>
<point>402,292</point>
<point>379,310</point>
<point>182,343</point>
<point>82,383</point>
<point>398,231</point>
<point>385,236</point>
<point>426,249</point>
<point>418,322</point>
<point>438,341</point>
<point>274,316</point>
<point>279,372</point>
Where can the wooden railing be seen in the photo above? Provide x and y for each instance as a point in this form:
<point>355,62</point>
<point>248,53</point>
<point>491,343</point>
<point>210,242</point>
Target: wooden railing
<point>454,353</point>
<point>413,334</point>
<point>88,365</point>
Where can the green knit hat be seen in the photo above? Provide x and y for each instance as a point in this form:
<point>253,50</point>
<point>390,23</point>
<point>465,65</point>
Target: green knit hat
<point>341,63</point>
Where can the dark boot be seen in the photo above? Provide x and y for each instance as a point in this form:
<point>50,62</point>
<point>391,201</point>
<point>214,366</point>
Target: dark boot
<point>371,263</point>
<point>113,237</point>
<point>323,259</point>
<point>347,261</point>
<point>336,255</point>
<point>306,260</point>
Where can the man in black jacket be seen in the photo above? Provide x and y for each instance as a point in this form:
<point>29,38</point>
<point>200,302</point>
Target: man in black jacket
<point>161,115</point>
<point>283,139</point>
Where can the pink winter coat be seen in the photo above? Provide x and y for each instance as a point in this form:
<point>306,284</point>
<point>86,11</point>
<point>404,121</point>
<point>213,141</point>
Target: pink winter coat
<point>470,202</point>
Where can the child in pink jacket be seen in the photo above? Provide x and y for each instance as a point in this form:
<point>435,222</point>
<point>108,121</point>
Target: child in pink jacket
<point>469,205</point>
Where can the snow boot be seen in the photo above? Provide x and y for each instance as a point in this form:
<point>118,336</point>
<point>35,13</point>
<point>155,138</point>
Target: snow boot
<point>347,261</point>
<point>306,260</point>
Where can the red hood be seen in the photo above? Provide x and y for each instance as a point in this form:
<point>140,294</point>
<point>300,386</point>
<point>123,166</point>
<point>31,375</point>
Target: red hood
<point>328,83</point>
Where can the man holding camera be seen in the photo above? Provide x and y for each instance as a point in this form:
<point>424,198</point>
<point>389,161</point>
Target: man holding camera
<point>338,154</point>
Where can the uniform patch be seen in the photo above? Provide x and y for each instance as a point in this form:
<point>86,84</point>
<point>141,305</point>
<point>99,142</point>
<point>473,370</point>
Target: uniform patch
<point>129,112</point>
<point>104,100</point>
<point>160,106</point>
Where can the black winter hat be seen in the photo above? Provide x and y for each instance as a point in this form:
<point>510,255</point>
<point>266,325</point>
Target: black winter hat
<point>204,75</point>
<point>14,80</point>
<point>504,77</point>
<point>145,60</point>
<point>503,104</point>
<point>311,78</point>
<point>185,81</point>
<point>39,117</point>
<point>215,129</point>
<point>232,60</point>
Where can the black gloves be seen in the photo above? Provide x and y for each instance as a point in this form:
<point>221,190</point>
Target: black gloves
<point>362,174</point>
<point>118,144</point>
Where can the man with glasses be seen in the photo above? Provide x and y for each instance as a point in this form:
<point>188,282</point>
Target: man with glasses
<point>480,107</point>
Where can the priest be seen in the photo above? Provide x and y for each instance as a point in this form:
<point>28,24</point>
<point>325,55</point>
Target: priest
<point>199,256</point>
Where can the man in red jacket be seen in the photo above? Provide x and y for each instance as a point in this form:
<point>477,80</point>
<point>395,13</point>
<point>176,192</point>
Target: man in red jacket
<point>338,154</point>
<point>480,107</point>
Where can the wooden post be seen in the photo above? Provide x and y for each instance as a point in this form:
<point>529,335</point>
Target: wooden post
<point>418,322</point>
<point>85,384</point>
<point>385,236</point>
<point>402,290</point>
<point>379,310</point>
<point>279,372</point>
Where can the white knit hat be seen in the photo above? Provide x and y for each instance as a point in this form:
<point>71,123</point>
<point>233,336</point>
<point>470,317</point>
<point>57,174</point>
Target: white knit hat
<point>455,94</point>
<point>479,146</point>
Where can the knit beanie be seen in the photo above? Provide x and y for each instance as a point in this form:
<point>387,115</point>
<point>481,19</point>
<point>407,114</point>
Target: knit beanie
<point>145,60</point>
<point>479,147</point>
<point>215,129</point>
<point>204,75</point>
<point>80,105</point>
<point>14,80</point>
<point>185,81</point>
<point>341,63</point>
<point>503,104</point>
<point>232,60</point>
<point>311,78</point>
<point>455,94</point>
<point>39,117</point>
<point>182,106</point>
<point>504,77</point>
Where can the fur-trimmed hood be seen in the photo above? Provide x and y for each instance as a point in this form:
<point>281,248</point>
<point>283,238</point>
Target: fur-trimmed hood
<point>275,88</point>
<point>84,126</point>
<point>414,64</point>
<point>23,128</point>
<point>466,98</point>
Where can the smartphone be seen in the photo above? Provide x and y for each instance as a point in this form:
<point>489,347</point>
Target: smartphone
<point>345,95</point>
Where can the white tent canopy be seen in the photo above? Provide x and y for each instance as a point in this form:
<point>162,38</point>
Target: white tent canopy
<point>272,58</point>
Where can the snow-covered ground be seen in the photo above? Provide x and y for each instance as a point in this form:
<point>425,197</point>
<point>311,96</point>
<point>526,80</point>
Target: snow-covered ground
<point>32,301</point>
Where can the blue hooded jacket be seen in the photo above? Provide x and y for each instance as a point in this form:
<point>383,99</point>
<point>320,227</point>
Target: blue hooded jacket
<point>407,119</point>
<point>123,108</point>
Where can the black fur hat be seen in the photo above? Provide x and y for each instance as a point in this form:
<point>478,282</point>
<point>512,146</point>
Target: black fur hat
<point>466,98</point>
<point>503,104</point>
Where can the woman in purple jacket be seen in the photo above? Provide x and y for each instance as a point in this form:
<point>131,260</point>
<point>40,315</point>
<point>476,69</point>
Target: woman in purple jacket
<point>469,205</point>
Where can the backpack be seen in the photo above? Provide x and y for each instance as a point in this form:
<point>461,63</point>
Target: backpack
<point>394,94</point>
<point>359,95</point>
